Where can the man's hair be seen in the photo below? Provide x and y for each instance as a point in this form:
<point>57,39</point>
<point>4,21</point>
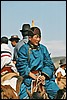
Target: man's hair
<point>4,40</point>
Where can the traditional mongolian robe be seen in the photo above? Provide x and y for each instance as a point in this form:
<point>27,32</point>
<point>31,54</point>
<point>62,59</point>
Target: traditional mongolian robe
<point>31,59</point>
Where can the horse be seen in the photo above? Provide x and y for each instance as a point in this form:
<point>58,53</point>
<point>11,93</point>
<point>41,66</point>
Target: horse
<point>10,84</point>
<point>37,90</point>
<point>8,92</point>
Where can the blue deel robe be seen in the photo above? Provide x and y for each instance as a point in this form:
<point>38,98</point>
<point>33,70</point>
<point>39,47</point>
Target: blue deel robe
<point>36,59</point>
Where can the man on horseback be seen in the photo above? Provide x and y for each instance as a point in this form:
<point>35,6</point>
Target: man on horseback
<point>6,54</point>
<point>6,57</point>
<point>61,74</point>
<point>33,58</point>
<point>8,71</point>
<point>14,40</point>
<point>25,28</point>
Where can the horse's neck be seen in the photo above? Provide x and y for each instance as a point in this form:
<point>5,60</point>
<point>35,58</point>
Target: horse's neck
<point>19,81</point>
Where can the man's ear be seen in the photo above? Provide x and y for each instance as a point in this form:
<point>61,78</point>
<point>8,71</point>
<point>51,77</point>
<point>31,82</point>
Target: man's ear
<point>29,37</point>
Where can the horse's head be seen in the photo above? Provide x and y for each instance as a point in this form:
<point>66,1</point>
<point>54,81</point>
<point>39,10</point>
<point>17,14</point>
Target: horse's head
<point>36,95</point>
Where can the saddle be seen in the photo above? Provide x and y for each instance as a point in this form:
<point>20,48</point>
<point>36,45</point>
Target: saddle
<point>38,86</point>
<point>6,69</point>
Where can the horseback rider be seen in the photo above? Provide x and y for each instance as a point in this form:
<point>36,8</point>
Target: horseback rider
<point>6,54</point>
<point>14,40</point>
<point>25,28</point>
<point>6,57</point>
<point>61,74</point>
<point>33,58</point>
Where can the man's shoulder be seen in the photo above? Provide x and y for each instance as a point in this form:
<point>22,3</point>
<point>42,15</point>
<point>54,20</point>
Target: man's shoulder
<point>20,42</point>
<point>5,47</point>
<point>43,48</point>
<point>24,46</point>
<point>42,45</point>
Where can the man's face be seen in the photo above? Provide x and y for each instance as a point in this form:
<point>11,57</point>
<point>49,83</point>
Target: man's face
<point>64,65</point>
<point>35,39</point>
<point>13,43</point>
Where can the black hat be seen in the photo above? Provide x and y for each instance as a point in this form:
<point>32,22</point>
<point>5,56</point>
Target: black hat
<point>25,29</point>
<point>14,37</point>
<point>33,31</point>
<point>62,62</point>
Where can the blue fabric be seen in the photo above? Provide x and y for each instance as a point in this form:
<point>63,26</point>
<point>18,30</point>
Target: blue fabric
<point>51,88</point>
<point>38,59</point>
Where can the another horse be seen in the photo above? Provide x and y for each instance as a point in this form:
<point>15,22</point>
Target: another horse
<point>7,91</point>
<point>37,91</point>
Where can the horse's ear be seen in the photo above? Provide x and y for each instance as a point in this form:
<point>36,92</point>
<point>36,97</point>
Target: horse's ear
<point>30,95</point>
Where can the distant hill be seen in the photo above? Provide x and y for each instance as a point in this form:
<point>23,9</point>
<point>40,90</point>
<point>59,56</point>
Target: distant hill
<point>56,60</point>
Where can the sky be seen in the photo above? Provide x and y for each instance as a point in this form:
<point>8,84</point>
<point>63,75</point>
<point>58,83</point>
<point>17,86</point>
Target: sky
<point>49,16</point>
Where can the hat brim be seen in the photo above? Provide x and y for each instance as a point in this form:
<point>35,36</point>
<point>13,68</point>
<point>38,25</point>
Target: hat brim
<point>62,64</point>
<point>21,30</point>
<point>14,39</point>
<point>24,30</point>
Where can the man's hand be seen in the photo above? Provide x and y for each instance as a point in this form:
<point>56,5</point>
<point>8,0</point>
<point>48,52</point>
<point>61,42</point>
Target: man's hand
<point>41,79</point>
<point>32,75</point>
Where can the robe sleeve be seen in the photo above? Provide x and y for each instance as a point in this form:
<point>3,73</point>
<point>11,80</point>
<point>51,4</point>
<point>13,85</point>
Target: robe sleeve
<point>22,62</point>
<point>48,66</point>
